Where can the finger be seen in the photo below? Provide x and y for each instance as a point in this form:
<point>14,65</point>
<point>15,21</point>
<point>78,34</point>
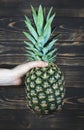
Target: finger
<point>21,70</point>
<point>37,64</point>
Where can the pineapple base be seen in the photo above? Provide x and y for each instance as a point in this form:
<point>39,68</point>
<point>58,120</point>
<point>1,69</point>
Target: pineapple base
<point>45,89</point>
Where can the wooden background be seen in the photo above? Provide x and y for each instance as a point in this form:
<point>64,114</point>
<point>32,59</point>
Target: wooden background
<point>14,114</point>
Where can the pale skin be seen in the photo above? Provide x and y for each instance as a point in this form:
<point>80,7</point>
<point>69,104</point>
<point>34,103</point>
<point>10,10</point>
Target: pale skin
<point>14,76</point>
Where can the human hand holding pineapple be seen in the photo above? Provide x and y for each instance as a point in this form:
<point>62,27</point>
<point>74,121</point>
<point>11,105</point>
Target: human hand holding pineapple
<point>13,76</point>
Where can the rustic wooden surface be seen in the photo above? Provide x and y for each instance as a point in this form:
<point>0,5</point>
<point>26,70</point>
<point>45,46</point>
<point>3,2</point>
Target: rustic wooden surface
<point>69,22</point>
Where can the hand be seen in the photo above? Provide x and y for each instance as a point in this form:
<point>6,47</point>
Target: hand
<point>13,76</point>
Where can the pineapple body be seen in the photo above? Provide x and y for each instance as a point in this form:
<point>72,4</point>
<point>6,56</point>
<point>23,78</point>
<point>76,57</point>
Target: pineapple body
<point>45,89</point>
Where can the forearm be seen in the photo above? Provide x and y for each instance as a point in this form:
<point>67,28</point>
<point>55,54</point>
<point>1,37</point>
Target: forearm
<point>5,76</point>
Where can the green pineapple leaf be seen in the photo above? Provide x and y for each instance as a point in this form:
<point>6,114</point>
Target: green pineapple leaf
<point>52,52</point>
<point>46,33</point>
<point>27,19</point>
<point>40,20</point>
<point>28,44</point>
<point>31,29</point>
<point>34,50</point>
<point>51,18</point>
<point>30,53</point>
<point>30,37</point>
<point>49,13</point>
<point>34,56</point>
<point>40,45</point>
<point>49,57</point>
<point>34,15</point>
<point>52,58</point>
<point>36,44</point>
<point>47,28</point>
<point>41,41</point>
<point>49,46</point>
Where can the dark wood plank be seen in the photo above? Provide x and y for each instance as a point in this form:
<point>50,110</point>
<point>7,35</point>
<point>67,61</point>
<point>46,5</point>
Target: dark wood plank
<point>70,43</point>
<point>71,29</point>
<point>63,8</point>
<point>69,53</point>
<point>16,116</point>
<point>12,98</point>
<point>74,76</point>
<point>24,120</point>
<point>15,98</point>
<point>60,4</point>
<point>14,113</point>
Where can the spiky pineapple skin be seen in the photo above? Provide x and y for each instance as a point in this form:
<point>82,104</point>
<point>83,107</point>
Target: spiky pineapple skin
<point>45,89</point>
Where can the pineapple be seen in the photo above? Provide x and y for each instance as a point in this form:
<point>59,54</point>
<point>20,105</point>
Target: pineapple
<point>44,86</point>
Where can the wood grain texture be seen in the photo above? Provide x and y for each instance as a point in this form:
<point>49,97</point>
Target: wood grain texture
<point>14,113</point>
<point>70,54</point>
<point>72,8</point>
<point>69,22</point>
<point>15,98</point>
<point>71,29</point>
<point>24,120</point>
<point>70,43</point>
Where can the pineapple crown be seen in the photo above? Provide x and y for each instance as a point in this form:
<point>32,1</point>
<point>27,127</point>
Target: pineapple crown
<point>40,44</point>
